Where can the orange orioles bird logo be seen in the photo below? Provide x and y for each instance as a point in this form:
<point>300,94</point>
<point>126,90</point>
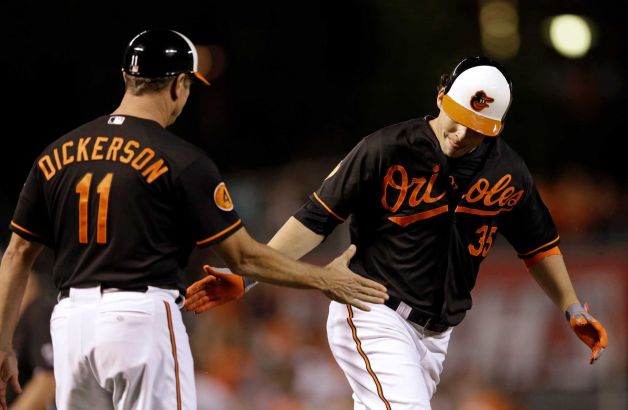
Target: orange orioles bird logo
<point>480,101</point>
<point>222,198</point>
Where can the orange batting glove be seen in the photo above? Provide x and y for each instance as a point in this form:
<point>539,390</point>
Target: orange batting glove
<point>214,290</point>
<point>588,329</point>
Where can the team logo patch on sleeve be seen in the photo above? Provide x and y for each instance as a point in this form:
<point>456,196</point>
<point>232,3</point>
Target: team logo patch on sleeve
<point>222,198</point>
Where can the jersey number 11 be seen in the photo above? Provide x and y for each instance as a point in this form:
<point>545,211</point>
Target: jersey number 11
<point>82,188</point>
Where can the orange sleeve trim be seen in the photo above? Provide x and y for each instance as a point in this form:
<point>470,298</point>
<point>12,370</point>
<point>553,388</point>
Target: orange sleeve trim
<point>221,233</point>
<point>537,258</point>
<point>328,209</point>
<point>523,255</point>
<point>367,362</point>
<point>173,342</point>
<point>20,228</point>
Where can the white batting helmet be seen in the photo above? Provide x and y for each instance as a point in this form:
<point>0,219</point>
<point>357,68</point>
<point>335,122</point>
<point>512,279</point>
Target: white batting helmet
<point>478,95</point>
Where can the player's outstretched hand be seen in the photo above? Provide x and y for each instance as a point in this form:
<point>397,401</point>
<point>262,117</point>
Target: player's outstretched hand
<point>216,289</point>
<point>588,329</point>
<point>347,287</point>
<point>8,376</point>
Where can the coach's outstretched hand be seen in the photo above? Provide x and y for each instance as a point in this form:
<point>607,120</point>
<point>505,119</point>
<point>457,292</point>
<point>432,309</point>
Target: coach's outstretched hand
<point>339,283</point>
<point>588,329</point>
<point>348,287</point>
<point>216,289</point>
<point>8,376</point>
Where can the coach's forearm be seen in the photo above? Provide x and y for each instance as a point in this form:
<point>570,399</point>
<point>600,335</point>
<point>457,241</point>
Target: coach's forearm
<point>264,264</point>
<point>14,270</point>
<point>551,274</point>
<point>293,240</point>
<point>38,393</point>
<point>275,263</point>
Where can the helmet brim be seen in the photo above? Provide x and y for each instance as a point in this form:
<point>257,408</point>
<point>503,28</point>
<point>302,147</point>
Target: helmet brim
<point>199,78</point>
<point>483,125</point>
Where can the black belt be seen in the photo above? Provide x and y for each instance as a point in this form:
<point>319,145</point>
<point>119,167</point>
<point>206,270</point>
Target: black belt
<point>415,316</point>
<point>64,293</point>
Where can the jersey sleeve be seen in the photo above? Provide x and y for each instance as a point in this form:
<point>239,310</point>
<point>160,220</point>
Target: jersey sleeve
<point>31,219</point>
<point>208,212</point>
<point>530,228</point>
<point>339,193</point>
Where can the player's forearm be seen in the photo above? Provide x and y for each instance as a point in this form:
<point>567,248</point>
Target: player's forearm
<point>294,239</point>
<point>551,274</point>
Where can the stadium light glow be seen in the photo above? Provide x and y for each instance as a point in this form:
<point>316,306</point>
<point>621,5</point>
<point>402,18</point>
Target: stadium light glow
<point>570,35</point>
<point>499,25</point>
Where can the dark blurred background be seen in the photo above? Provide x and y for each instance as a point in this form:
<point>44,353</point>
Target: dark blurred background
<point>294,86</point>
<point>305,79</point>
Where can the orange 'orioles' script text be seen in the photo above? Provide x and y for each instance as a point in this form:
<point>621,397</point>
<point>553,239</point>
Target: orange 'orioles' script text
<point>416,191</point>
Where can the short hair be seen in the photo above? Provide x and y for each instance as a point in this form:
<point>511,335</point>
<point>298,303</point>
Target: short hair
<point>443,82</point>
<point>140,85</point>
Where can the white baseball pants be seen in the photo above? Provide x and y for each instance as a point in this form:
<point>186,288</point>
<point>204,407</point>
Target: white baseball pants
<point>390,363</point>
<point>121,350</point>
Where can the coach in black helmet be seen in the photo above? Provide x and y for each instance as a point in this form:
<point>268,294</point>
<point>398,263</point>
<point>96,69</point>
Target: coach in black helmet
<point>122,202</point>
<point>427,198</point>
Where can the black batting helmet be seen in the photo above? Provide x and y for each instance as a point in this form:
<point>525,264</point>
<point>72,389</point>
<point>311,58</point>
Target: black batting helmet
<point>161,53</point>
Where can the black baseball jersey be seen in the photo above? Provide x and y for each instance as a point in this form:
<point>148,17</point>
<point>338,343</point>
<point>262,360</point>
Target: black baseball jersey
<point>423,222</point>
<point>32,342</point>
<point>122,202</point>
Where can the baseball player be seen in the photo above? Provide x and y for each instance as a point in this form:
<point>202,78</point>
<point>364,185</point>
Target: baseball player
<point>427,198</point>
<point>122,202</point>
